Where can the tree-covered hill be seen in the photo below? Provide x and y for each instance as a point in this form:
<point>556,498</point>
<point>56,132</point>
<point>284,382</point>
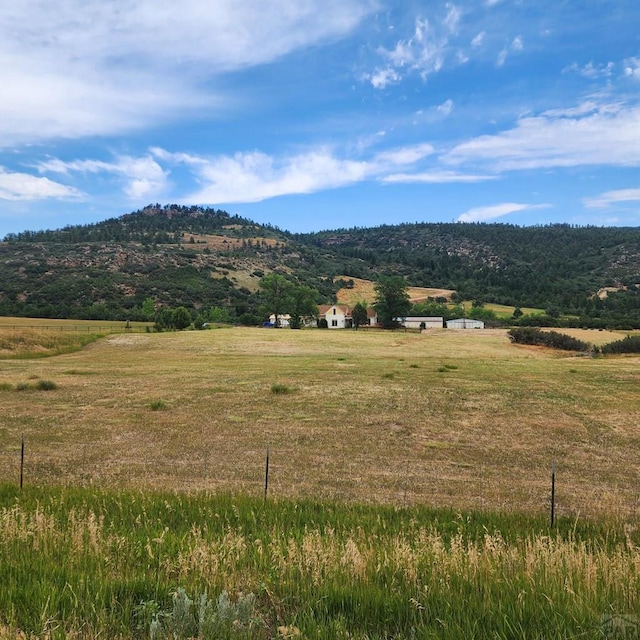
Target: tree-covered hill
<point>201,258</point>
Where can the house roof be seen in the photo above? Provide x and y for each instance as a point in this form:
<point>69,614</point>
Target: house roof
<point>343,308</point>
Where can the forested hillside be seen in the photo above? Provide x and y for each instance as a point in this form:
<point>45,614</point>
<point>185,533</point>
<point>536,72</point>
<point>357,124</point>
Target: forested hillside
<point>202,258</point>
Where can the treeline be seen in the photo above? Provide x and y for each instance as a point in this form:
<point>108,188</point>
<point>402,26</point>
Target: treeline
<point>555,340</point>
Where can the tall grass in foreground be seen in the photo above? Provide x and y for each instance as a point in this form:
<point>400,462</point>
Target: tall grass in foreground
<point>86,563</point>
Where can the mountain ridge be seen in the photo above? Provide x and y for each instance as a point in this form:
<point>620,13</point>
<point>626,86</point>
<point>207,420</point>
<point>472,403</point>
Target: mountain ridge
<point>200,257</point>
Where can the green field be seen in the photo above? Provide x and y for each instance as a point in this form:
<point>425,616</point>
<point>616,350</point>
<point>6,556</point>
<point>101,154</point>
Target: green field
<point>408,490</point>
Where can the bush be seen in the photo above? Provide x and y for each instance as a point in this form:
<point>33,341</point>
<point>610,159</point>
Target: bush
<point>279,389</point>
<point>552,339</point>
<point>46,385</point>
<point>208,619</point>
<point>630,344</point>
<point>158,405</point>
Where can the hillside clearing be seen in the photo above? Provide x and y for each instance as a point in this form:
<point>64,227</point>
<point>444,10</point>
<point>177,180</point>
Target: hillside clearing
<point>364,291</point>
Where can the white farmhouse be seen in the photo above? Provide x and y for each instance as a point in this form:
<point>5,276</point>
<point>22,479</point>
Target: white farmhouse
<point>338,316</point>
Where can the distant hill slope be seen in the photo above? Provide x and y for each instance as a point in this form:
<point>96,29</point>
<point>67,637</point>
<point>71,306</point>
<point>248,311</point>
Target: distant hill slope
<point>200,257</point>
<point>358,290</point>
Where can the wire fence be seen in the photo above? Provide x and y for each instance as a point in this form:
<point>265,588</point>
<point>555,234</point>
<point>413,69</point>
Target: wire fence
<point>80,328</point>
<point>552,493</point>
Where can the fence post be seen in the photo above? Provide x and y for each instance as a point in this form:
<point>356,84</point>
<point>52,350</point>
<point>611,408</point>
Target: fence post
<point>266,476</point>
<point>22,462</point>
<point>553,493</point>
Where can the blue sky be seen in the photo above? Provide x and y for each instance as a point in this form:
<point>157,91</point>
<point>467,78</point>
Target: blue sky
<point>319,114</point>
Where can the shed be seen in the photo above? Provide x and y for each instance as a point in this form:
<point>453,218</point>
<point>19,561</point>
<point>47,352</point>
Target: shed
<point>422,322</point>
<point>465,323</point>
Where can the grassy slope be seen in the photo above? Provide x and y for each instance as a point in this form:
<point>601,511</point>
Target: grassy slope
<point>444,418</point>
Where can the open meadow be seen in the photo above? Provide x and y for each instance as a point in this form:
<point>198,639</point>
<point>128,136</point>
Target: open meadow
<point>409,487</point>
<point>444,418</point>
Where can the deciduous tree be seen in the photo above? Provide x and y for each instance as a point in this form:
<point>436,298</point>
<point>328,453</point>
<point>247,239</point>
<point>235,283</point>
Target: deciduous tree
<point>359,314</point>
<point>392,300</point>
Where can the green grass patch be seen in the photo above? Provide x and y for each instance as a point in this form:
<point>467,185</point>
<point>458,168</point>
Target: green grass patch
<point>96,563</point>
<point>158,405</point>
<point>6,386</point>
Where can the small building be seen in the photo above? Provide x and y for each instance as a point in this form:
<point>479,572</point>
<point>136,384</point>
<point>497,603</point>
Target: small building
<point>422,322</point>
<point>465,323</point>
<point>283,319</point>
<point>338,316</point>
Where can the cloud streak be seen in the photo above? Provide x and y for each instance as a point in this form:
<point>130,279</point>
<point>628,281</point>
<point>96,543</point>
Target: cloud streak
<point>591,134</point>
<point>611,198</point>
<point>256,176</point>
<point>142,177</point>
<point>483,214</point>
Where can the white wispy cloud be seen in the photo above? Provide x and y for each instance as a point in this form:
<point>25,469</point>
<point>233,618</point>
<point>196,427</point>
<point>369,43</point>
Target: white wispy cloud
<point>482,214</point>
<point>591,70</point>
<point>479,39</point>
<point>255,176</point>
<point>23,186</point>
<point>446,107</point>
<point>632,68</point>
<point>611,198</point>
<point>78,68</point>
<point>383,77</point>
<point>141,177</point>
<point>436,177</point>
<point>589,134</point>
<point>516,46</point>
<point>423,53</point>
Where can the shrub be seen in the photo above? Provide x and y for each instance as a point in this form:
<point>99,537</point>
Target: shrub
<point>5,386</point>
<point>630,344</point>
<point>158,405</point>
<point>23,386</point>
<point>279,389</point>
<point>553,339</point>
<point>46,385</point>
<point>208,619</point>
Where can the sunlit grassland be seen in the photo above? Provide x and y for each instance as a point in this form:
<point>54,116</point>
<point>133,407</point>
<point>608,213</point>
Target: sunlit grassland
<point>445,418</point>
<point>408,488</point>
<point>505,311</point>
<point>87,563</point>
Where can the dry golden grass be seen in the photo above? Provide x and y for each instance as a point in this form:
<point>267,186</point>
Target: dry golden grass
<point>454,418</point>
<point>594,337</point>
<point>364,291</point>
